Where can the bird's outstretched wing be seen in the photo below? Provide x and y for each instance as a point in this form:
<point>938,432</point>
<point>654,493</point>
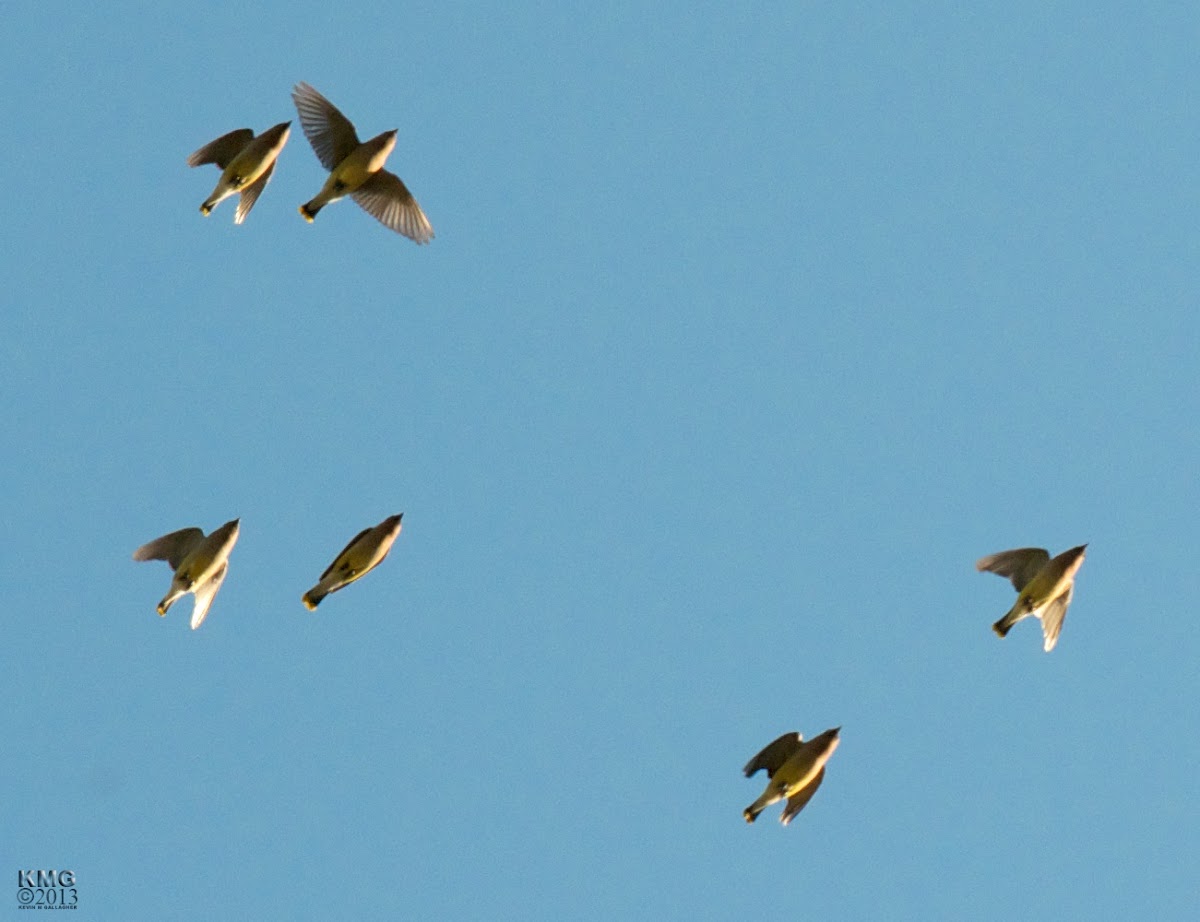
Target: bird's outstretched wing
<point>775,754</point>
<point>328,131</point>
<point>1020,565</point>
<point>172,548</point>
<point>385,198</point>
<point>223,149</point>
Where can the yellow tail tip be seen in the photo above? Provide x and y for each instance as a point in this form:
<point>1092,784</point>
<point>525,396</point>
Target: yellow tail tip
<point>206,209</point>
<point>306,214</point>
<point>308,603</point>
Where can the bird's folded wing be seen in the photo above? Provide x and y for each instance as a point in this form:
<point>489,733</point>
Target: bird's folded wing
<point>1053,616</point>
<point>1020,565</point>
<point>328,131</point>
<point>205,594</point>
<point>342,553</point>
<point>251,193</point>
<point>800,799</point>
<point>385,197</point>
<point>172,548</point>
<point>775,754</point>
<point>223,149</point>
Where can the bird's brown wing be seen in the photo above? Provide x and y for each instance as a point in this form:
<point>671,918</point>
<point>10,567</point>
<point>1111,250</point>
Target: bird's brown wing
<point>385,197</point>
<point>1020,565</point>
<point>775,754</point>
<point>172,548</point>
<point>223,149</point>
<point>328,131</point>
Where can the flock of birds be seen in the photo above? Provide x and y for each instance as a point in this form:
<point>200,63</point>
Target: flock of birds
<point>355,167</point>
<point>795,767</point>
<point>1044,587</point>
<point>201,561</point>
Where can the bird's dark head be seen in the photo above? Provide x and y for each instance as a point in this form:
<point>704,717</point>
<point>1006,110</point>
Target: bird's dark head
<point>276,136</point>
<point>227,534</point>
<point>380,146</point>
<point>829,741</point>
<point>1074,557</point>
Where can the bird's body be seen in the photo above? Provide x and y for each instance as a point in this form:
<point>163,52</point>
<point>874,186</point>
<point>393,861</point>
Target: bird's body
<point>200,564</point>
<point>356,168</point>
<point>246,164</point>
<point>1044,586</point>
<point>796,769</point>
<point>364,553</point>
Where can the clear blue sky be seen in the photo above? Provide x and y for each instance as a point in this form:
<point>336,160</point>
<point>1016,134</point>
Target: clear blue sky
<point>745,333</point>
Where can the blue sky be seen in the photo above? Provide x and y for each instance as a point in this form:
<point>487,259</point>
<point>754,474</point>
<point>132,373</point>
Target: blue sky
<point>745,333</point>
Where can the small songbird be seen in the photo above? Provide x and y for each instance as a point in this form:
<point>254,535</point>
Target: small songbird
<point>356,168</point>
<point>796,770</point>
<point>246,164</point>
<point>1044,586</point>
<point>200,564</point>
<point>363,554</point>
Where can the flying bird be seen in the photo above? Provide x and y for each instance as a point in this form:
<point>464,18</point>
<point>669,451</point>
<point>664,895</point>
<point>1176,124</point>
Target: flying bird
<point>796,769</point>
<point>356,168</point>
<point>200,564</point>
<point>363,554</point>
<point>246,164</point>
<point>1044,586</point>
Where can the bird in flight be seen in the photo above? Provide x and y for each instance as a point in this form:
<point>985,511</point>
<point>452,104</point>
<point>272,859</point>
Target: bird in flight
<point>1044,586</point>
<point>246,164</point>
<point>200,564</point>
<point>363,554</point>
<point>796,769</point>
<point>356,168</point>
